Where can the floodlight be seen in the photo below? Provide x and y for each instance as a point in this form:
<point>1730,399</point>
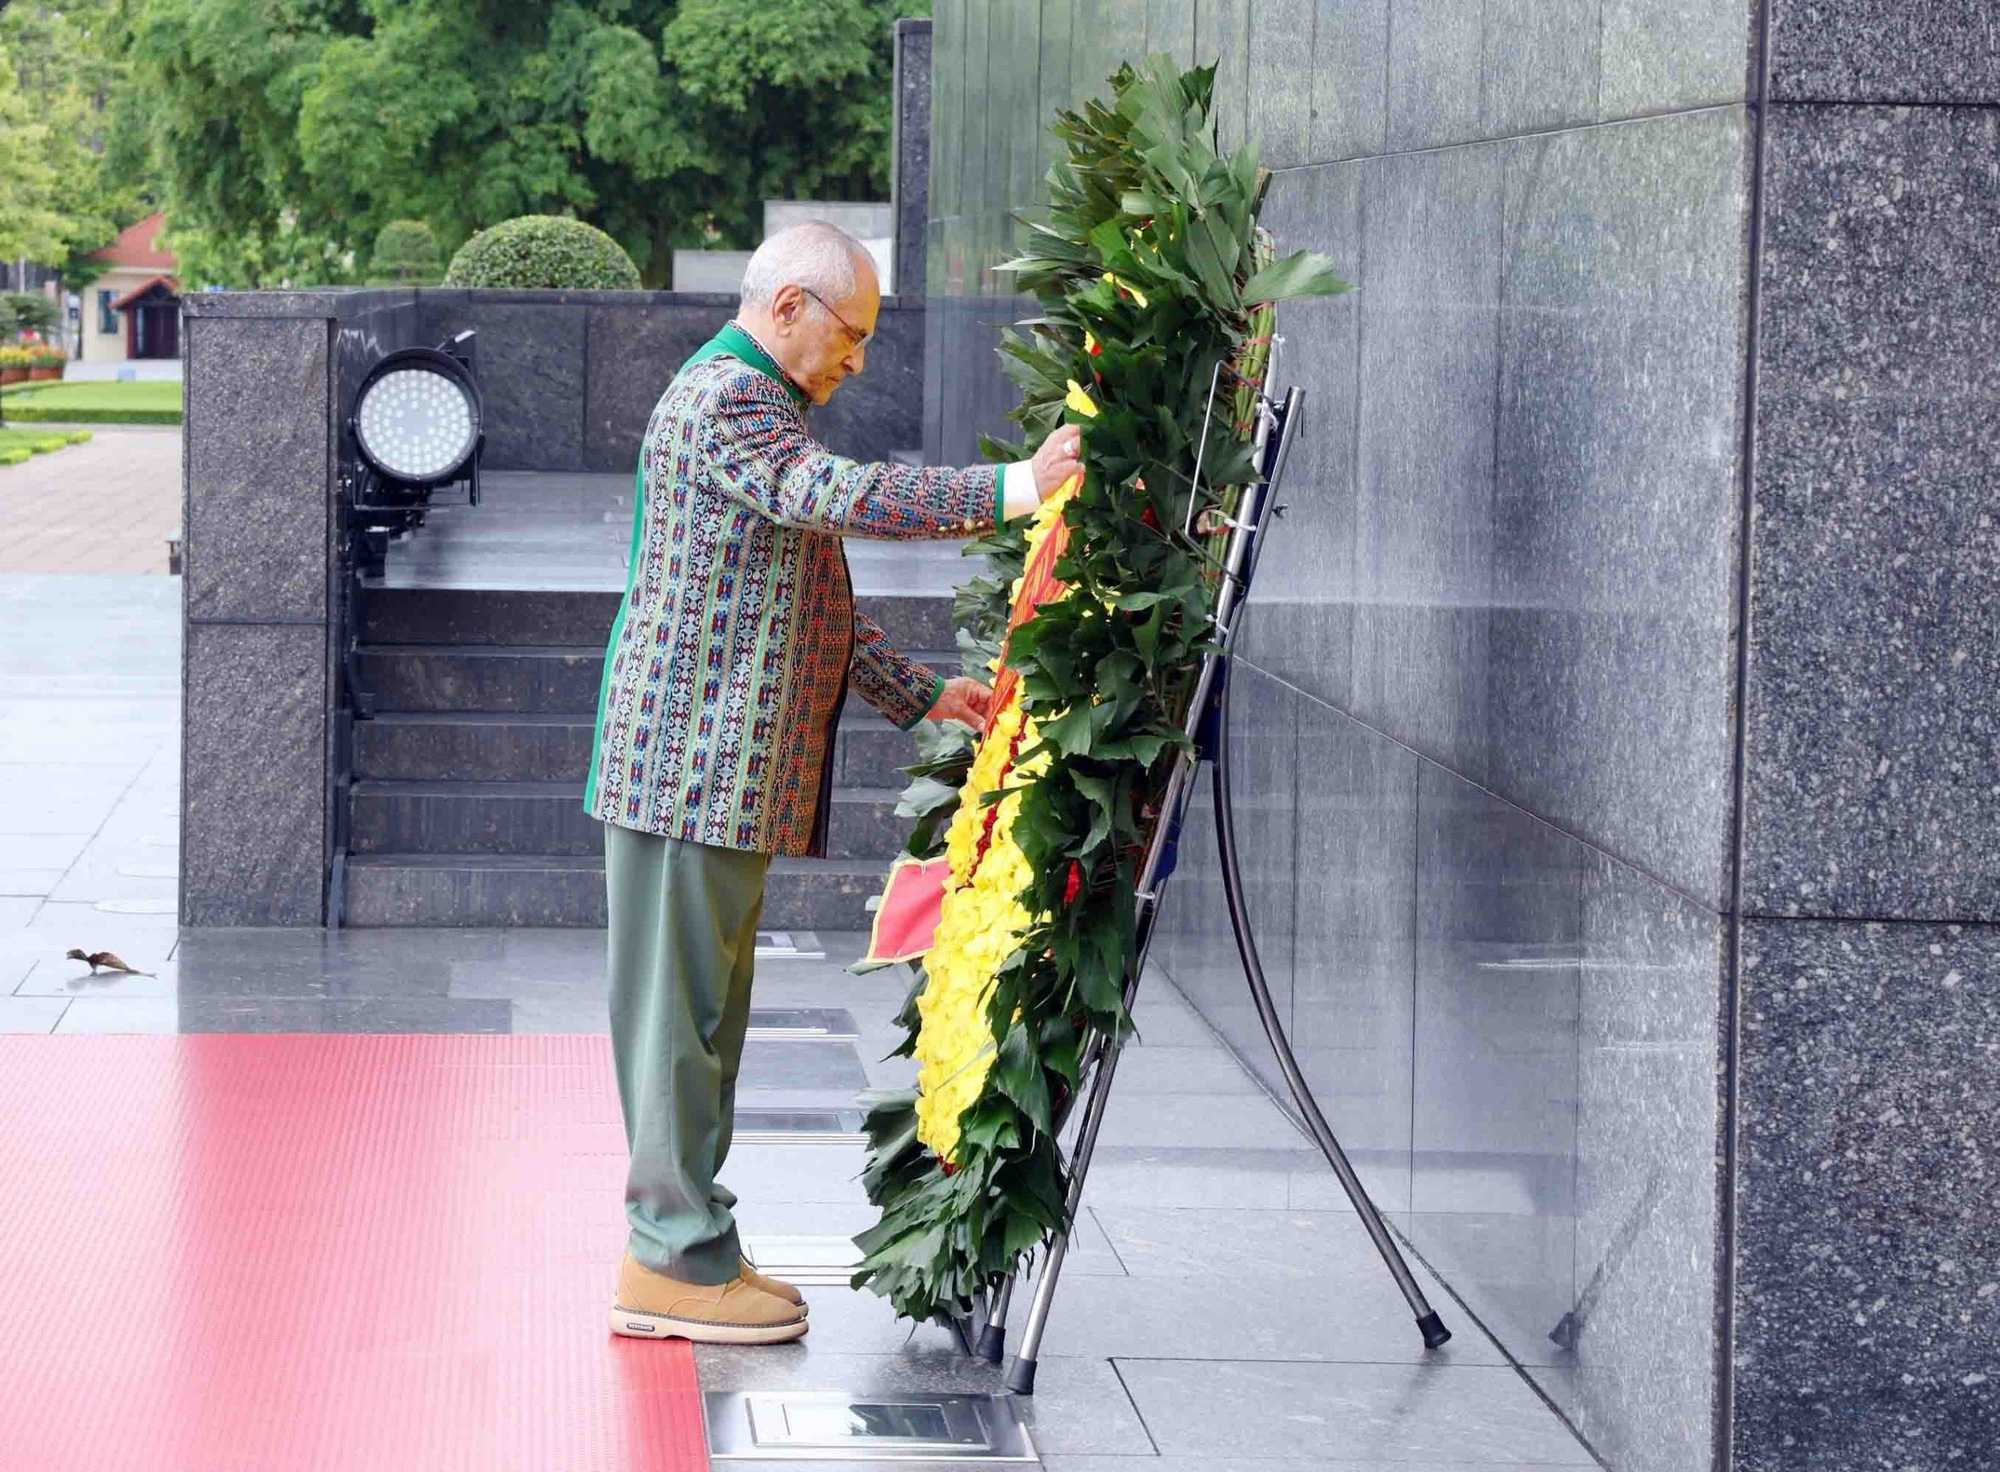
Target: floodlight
<point>417,418</point>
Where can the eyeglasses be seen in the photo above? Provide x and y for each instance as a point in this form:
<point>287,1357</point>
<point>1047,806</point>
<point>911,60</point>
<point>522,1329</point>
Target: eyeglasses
<point>861,339</point>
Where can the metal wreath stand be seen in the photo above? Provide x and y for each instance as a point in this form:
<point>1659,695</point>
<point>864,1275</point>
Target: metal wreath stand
<point>1207,726</point>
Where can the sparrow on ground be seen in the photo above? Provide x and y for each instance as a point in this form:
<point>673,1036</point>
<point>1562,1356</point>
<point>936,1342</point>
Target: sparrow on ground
<point>105,959</point>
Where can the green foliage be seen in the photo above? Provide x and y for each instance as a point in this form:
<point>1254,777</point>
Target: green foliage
<point>94,402</point>
<point>18,445</point>
<point>26,311</point>
<point>406,254</point>
<point>291,131</point>
<point>1107,670</point>
<point>545,251</point>
<point>70,174</point>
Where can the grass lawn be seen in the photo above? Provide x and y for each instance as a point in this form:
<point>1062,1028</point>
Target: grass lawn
<point>85,402</point>
<point>17,445</point>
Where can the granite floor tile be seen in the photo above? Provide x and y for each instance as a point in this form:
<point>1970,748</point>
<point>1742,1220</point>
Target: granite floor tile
<point>1222,1242</point>
<point>121,1014</point>
<point>1354,1412</point>
<point>1090,1463</point>
<point>344,1014</point>
<point>31,1014</point>
<point>1079,1405</point>
<point>1349,1318</point>
<point>66,978</point>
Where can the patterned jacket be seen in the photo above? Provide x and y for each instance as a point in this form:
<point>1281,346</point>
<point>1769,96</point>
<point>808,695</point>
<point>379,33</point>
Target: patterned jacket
<point>738,637</point>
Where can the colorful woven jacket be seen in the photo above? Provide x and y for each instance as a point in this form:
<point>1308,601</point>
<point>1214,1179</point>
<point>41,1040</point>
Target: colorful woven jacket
<point>738,638</point>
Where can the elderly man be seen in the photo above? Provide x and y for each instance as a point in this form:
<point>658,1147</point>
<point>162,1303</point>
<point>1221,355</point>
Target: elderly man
<point>723,682</point>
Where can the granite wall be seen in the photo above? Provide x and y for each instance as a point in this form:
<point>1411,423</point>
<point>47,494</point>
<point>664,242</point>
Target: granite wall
<point>1672,1087</point>
<point>568,380</point>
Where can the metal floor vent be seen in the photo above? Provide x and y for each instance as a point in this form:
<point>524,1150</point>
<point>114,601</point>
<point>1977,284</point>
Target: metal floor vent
<point>798,1127</point>
<point>789,945</point>
<point>833,1426</point>
<point>814,1024</point>
<point>827,1262</point>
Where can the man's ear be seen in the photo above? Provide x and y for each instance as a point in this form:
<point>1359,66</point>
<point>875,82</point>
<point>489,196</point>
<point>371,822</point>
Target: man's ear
<point>786,304</point>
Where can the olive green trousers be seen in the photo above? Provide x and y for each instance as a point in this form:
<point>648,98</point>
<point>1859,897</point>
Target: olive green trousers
<point>682,943</point>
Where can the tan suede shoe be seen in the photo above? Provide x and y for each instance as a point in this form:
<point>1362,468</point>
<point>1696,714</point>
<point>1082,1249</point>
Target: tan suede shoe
<point>776,1286</point>
<point>651,1305</point>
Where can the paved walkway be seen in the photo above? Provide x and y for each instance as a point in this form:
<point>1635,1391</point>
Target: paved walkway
<point>1222,1312</point>
<point>106,506</point>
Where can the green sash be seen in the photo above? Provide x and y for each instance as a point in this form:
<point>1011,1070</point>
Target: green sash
<point>737,343</point>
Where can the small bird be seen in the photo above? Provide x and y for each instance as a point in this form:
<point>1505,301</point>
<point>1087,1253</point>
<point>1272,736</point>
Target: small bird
<point>105,959</point>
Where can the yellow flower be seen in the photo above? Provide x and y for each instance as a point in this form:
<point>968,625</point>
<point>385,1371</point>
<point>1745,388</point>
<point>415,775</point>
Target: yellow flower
<point>1128,288</point>
<point>1080,401</point>
<point>981,920</point>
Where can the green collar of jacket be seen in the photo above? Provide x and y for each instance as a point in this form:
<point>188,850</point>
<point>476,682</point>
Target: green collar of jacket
<point>737,343</point>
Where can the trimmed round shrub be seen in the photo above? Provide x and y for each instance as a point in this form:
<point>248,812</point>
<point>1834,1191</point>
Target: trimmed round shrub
<point>543,251</point>
<point>407,254</point>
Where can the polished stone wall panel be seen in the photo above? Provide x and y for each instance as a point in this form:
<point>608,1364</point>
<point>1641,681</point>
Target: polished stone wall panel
<point>909,185</point>
<point>1170,29</point>
<point>1430,268</point>
<point>1280,62</point>
<point>1353,1000</point>
<point>1872,734</point>
<point>1202,957</point>
<point>634,354</point>
<point>532,369</point>
<point>1222,40</point>
<point>1650,1092</point>
<point>1539,65</point>
<point>1611,666</point>
<point>1668,55</point>
<point>1494,1057</point>
<point>1436,49</point>
<point>1881,51</point>
<point>1868,1246</point>
<point>258,462</point>
<point>1305,589</point>
<point>253,769</point>
<point>1350,113</point>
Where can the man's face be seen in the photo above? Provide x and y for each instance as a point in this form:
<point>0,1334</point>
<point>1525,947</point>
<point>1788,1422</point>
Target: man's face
<point>825,342</point>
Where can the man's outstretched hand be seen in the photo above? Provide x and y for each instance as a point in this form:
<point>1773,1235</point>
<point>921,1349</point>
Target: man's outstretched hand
<point>964,699</point>
<point>1060,457</point>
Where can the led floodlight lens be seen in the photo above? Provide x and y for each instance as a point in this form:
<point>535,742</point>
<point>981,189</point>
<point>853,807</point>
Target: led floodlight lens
<point>417,424</point>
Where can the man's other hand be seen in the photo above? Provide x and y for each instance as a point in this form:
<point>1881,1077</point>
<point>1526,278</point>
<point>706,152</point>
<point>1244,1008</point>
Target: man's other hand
<point>1059,458</point>
<point>964,699</point>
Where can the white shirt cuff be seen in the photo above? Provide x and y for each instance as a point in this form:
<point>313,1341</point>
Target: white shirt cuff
<point>1018,493</point>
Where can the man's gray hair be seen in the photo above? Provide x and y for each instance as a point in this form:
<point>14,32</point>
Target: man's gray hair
<point>815,255</point>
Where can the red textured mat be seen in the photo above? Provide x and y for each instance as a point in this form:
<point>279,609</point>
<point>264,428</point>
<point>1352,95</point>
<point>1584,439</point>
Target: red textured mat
<point>322,1253</point>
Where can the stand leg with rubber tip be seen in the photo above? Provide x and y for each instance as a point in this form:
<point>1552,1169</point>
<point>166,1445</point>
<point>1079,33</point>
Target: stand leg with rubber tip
<point>1208,727</point>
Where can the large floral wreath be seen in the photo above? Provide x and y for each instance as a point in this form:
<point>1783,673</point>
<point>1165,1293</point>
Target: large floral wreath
<point>1155,283</point>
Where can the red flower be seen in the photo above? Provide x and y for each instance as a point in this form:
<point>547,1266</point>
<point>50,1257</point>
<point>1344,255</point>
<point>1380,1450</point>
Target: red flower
<point>1150,518</point>
<point>1075,885</point>
<point>950,1169</point>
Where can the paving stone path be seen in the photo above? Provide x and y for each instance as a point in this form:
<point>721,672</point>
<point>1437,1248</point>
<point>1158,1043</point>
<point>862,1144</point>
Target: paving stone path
<point>105,506</point>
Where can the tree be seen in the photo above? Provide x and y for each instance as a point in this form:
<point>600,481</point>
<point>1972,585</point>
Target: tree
<point>291,131</point>
<point>406,254</point>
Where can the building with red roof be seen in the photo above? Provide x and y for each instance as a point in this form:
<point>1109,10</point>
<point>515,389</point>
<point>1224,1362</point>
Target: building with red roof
<point>134,309</point>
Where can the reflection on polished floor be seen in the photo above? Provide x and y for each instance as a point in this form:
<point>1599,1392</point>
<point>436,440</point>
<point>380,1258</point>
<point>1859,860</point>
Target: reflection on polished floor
<point>1222,1310</point>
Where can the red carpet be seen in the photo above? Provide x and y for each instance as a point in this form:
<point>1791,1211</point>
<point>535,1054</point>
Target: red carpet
<point>322,1253</point>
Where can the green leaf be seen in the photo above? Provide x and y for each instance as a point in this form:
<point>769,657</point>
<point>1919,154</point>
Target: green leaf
<point>1307,273</point>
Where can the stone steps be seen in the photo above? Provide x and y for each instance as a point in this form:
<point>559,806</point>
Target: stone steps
<point>483,617</point>
<point>568,890</point>
<point>537,746</point>
<point>466,801</point>
<point>533,817</point>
